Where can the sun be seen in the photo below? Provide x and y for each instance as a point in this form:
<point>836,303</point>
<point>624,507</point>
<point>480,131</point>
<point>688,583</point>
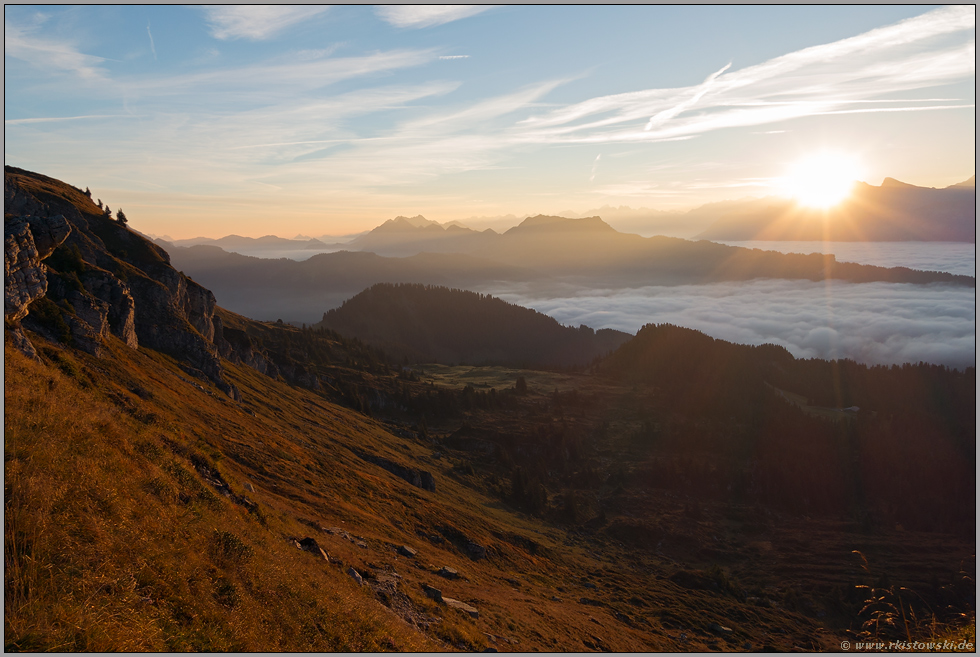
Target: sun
<point>821,180</point>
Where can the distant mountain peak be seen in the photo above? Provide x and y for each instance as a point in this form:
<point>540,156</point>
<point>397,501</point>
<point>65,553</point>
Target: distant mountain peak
<point>891,182</point>
<point>562,224</point>
<point>418,221</point>
<point>969,182</point>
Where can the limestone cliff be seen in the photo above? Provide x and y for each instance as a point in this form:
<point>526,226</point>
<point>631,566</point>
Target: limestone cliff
<point>99,278</point>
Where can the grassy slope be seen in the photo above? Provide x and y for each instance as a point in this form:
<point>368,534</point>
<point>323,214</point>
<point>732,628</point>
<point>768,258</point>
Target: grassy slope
<point>113,540</point>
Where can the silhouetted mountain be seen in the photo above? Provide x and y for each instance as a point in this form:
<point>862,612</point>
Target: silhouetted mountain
<point>423,323</point>
<point>404,236</point>
<point>542,249</point>
<point>300,291</point>
<point>892,212</point>
<point>237,242</point>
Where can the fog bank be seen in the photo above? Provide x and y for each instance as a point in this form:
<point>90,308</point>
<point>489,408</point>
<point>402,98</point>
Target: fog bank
<point>873,323</point>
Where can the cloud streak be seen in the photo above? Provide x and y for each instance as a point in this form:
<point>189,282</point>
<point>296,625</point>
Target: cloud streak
<point>55,55</point>
<point>153,47</point>
<point>419,16</point>
<point>817,80</point>
<point>256,22</point>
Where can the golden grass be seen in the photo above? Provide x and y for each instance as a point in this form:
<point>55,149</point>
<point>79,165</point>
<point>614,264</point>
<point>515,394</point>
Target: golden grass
<point>110,544</point>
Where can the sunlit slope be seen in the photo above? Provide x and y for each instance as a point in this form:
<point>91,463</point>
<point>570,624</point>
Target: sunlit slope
<point>118,534</point>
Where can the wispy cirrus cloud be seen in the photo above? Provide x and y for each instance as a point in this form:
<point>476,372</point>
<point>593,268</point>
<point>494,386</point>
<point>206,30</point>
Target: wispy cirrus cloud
<point>52,54</point>
<point>59,119</point>
<point>418,16</point>
<point>153,47</point>
<point>913,54</point>
<point>271,81</point>
<point>256,22</point>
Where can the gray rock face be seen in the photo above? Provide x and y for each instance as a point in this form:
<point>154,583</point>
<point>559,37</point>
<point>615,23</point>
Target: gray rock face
<point>121,313</point>
<point>356,576</point>
<point>24,274</point>
<point>129,287</point>
<point>90,324</point>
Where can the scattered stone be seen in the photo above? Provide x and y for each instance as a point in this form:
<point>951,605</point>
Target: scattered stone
<point>719,629</point>
<point>432,592</point>
<point>361,544</point>
<point>249,488</point>
<point>555,598</point>
<point>462,606</point>
<point>406,551</point>
<point>355,575</point>
<point>311,546</point>
<point>448,573</point>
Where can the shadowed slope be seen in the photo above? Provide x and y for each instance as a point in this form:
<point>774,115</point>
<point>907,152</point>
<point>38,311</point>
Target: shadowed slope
<point>437,324</point>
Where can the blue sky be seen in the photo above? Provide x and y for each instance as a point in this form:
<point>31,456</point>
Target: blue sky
<point>327,120</point>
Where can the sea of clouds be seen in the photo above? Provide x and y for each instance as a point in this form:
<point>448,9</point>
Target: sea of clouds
<point>873,323</point>
<point>952,257</point>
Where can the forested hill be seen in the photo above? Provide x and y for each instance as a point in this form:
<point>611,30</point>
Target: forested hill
<point>423,323</point>
<point>721,378</point>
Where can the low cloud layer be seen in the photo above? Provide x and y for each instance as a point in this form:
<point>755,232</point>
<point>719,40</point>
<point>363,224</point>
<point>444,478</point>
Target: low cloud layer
<point>873,323</point>
<point>952,257</point>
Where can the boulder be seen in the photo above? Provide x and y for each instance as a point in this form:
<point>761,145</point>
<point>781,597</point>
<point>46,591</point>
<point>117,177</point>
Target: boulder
<point>720,629</point>
<point>448,573</point>
<point>462,606</point>
<point>406,551</point>
<point>432,592</point>
<point>311,546</point>
<point>356,576</point>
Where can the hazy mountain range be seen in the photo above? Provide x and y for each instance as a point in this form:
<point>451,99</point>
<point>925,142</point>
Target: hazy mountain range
<point>584,251</point>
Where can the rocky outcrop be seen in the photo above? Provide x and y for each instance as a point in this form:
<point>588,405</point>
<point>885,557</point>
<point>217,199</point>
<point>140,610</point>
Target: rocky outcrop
<point>28,241</point>
<point>121,313</point>
<point>237,347</point>
<point>111,279</point>
<point>419,478</point>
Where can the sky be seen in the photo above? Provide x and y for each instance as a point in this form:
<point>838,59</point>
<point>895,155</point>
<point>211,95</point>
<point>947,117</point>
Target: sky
<point>286,120</point>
